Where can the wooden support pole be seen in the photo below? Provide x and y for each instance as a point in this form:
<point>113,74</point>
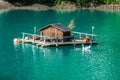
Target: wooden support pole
<point>50,40</point>
<point>74,42</point>
<point>80,36</point>
<point>92,38</point>
<point>33,38</point>
<point>40,38</point>
<point>57,41</point>
<point>44,39</point>
<point>23,37</point>
<point>92,32</point>
<point>91,42</point>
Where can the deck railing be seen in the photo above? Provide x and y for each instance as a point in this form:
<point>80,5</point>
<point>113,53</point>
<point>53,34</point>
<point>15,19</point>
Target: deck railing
<point>40,39</point>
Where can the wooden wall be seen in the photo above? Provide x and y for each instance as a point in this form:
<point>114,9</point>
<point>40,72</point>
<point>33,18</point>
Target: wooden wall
<point>52,32</point>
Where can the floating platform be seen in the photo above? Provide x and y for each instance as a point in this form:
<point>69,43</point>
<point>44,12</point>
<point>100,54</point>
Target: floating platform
<point>61,37</point>
<point>46,44</point>
<point>67,43</point>
<point>57,35</point>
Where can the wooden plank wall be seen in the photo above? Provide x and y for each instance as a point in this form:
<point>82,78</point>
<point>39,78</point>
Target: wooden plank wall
<point>52,32</point>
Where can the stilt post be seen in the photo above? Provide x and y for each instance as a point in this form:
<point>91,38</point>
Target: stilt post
<point>92,32</point>
<point>80,36</point>
<point>74,41</point>
<point>23,37</point>
<point>57,41</point>
<point>50,40</point>
<point>33,38</point>
<point>44,39</point>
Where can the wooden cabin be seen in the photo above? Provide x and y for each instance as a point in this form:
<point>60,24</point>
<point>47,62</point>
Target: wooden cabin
<point>55,30</point>
<point>54,35</point>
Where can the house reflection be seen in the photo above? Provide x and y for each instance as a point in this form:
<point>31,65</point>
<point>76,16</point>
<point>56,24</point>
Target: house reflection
<point>39,53</point>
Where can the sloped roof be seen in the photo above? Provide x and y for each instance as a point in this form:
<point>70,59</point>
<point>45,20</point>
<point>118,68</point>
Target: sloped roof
<point>58,26</point>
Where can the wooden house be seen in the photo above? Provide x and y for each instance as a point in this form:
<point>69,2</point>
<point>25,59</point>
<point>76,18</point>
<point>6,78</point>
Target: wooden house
<point>55,30</point>
<point>54,35</point>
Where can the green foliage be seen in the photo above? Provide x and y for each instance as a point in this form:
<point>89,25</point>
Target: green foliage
<point>59,1</point>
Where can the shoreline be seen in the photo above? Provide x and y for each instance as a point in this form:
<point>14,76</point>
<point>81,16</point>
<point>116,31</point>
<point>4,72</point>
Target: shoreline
<point>63,6</point>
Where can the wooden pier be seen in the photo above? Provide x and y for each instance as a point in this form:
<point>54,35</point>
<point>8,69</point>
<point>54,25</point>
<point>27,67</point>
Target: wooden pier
<point>45,43</point>
<point>41,43</point>
<point>57,35</point>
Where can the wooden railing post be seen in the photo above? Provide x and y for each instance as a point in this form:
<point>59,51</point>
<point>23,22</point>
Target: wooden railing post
<point>23,37</point>
<point>33,39</point>
<point>57,41</point>
<point>74,41</point>
<point>44,39</point>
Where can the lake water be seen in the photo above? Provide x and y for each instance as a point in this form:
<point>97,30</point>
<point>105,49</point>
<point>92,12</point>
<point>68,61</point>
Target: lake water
<point>28,62</point>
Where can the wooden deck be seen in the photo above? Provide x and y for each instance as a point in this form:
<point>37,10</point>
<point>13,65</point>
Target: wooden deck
<point>45,41</point>
<point>45,44</point>
<point>67,43</point>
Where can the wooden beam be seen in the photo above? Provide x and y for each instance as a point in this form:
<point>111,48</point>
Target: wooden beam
<point>29,34</point>
<point>83,33</point>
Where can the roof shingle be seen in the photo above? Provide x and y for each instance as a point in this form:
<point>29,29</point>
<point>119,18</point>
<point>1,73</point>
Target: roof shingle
<point>58,26</point>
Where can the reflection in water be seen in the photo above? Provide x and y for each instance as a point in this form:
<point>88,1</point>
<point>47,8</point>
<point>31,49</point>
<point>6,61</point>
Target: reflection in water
<point>23,48</point>
<point>16,50</point>
<point>34,52</point>
<point>87,51</point>
<point>3,11</point>
<point>16,43</point>
<point>45,51</point>
<point>95,64</point>
<point>56,50</point>
<point>49,51</point>
<point>16,46</point>
<point>80,50</point>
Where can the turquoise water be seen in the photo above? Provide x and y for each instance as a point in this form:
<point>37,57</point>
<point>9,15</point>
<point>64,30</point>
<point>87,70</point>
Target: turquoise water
<point>28,62</point>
